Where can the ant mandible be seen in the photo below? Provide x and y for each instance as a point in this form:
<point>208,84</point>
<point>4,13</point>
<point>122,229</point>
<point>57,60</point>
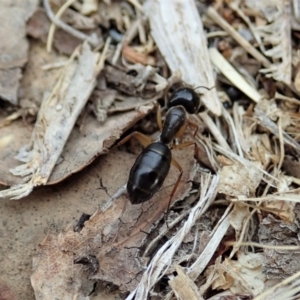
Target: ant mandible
<point>152,166</point>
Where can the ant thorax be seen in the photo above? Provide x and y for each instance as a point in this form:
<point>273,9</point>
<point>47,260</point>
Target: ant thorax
<point>175,121</point>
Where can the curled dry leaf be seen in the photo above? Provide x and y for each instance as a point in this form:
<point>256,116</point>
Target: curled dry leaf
<point>113,238</point>
<point>184,46</point>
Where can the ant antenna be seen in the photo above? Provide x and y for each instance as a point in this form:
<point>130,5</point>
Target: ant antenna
<point>201,86</point>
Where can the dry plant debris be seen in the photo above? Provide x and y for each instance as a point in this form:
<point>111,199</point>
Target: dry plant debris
<point>13,52</point>
<point>84,75</point>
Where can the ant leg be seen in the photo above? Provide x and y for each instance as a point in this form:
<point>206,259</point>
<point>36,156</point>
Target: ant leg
<point>183,128</point>
<point>158,117</point>
<point>201,86</point>
<point>183,145</point>
<point>186,144</point>
<point>194,125</point>
<point>181,131</point>
<point>143,139</point>
<point>175,163</point>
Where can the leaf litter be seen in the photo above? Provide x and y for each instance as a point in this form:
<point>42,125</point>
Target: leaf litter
<point>232,232</point>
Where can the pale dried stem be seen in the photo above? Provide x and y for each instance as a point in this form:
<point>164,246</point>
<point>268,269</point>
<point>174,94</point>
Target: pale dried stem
<point>229,120</point>
<point>204,258</point>
<point>246,163</point>
<point>213,14</point>
<point>266,122</point>
<point>214,130</point>
<point>165,231</point>
<point>292,284</point>
<point>232,75</point>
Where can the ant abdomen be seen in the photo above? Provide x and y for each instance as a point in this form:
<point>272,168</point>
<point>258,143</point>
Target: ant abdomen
<point>149,172</point>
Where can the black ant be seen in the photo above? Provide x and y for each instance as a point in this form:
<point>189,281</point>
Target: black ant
<point>152,166</point>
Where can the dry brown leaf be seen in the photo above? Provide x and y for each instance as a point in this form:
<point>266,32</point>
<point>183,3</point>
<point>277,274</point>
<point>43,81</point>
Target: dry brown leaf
<point>113,238</point>
<point>96,138</point>
<point>291,165</point>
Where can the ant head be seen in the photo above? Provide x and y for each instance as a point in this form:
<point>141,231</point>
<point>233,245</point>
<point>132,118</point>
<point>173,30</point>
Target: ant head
<point>186,97</point>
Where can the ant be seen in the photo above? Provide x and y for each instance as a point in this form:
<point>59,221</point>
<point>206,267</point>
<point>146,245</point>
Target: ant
<point>152,166</point>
